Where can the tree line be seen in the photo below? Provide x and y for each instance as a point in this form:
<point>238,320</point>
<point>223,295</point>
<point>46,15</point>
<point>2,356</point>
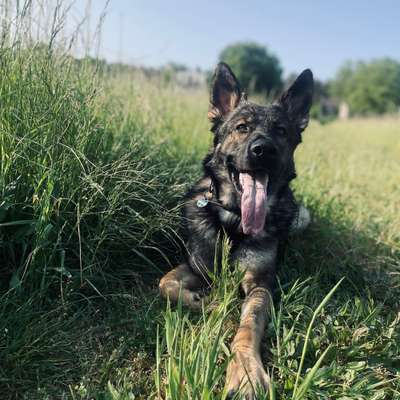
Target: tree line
<point>367,88</point>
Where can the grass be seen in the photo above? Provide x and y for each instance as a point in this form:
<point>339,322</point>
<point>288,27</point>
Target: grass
<point>92,166</point>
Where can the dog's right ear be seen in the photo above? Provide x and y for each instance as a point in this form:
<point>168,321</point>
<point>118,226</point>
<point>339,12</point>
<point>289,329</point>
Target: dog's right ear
<point>225,93</point>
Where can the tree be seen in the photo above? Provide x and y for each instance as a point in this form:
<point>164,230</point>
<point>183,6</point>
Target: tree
<point>257,70</point>
<point>369,88</point>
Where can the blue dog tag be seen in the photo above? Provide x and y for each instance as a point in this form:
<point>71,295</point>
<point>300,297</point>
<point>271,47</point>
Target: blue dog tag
<point>201,203</point>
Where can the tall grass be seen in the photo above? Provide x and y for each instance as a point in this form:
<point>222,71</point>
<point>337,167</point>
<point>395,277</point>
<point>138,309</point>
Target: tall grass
<point>87,178</point>
<point>90,177</point>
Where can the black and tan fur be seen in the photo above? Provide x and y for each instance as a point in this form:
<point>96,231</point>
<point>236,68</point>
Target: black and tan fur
<point>237,124</point>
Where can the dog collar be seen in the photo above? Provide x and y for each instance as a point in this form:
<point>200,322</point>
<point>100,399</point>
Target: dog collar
<point>207,197</point>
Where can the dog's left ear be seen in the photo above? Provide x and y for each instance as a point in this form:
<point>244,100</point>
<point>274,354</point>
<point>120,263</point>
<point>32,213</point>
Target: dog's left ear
<point>297,99</point>
<point>225,93</point>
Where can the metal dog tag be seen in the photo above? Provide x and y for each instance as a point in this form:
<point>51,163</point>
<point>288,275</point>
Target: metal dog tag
<point>201,203</point>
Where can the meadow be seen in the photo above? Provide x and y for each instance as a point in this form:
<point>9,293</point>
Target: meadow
<point>92,166</point>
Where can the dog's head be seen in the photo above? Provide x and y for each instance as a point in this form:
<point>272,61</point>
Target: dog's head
<point>254,145</point>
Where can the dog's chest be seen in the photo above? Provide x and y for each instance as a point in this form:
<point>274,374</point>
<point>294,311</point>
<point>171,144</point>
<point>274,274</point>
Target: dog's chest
<point>231,221</point>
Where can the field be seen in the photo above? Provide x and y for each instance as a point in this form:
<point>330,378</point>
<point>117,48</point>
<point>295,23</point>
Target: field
<point>93,164</point>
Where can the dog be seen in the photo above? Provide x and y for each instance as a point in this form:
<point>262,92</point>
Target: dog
<point>245,193</point>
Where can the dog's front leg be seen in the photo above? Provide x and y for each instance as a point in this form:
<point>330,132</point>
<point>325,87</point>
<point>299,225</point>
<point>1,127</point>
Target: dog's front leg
<point>190,279</point>
<point>246,371</point>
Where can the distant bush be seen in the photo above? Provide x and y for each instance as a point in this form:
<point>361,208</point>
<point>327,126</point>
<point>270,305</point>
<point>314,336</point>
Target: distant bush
<point>368,88</point>
<point>257,69</point>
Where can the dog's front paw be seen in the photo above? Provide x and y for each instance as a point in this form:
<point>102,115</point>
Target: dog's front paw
<point>246,375</point>
<point>194,299</point>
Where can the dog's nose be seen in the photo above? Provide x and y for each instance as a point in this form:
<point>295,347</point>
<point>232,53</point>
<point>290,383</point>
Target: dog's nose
<point>262,152</point>
<point>258,148</point>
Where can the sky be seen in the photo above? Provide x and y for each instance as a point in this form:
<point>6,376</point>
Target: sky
<point>317,34</point>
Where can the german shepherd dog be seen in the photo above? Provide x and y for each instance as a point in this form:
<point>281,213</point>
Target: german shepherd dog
<point>245,193</point>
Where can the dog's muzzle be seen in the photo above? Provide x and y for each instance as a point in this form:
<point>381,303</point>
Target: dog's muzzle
<point>261,153</point>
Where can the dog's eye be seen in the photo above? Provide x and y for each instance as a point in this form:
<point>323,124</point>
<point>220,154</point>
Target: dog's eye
<point>242,128</point>
<point>280,130</point>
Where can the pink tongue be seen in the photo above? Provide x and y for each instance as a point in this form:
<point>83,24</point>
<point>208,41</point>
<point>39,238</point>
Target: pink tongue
<point>254,203</point>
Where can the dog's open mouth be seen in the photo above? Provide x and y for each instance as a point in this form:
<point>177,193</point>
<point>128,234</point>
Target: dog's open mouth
<point>252,187</point>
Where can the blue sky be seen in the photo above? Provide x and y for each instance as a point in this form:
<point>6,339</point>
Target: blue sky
<point>317,34</point>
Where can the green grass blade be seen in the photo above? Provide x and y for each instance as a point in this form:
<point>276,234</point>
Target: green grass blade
<point>315,314</point>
